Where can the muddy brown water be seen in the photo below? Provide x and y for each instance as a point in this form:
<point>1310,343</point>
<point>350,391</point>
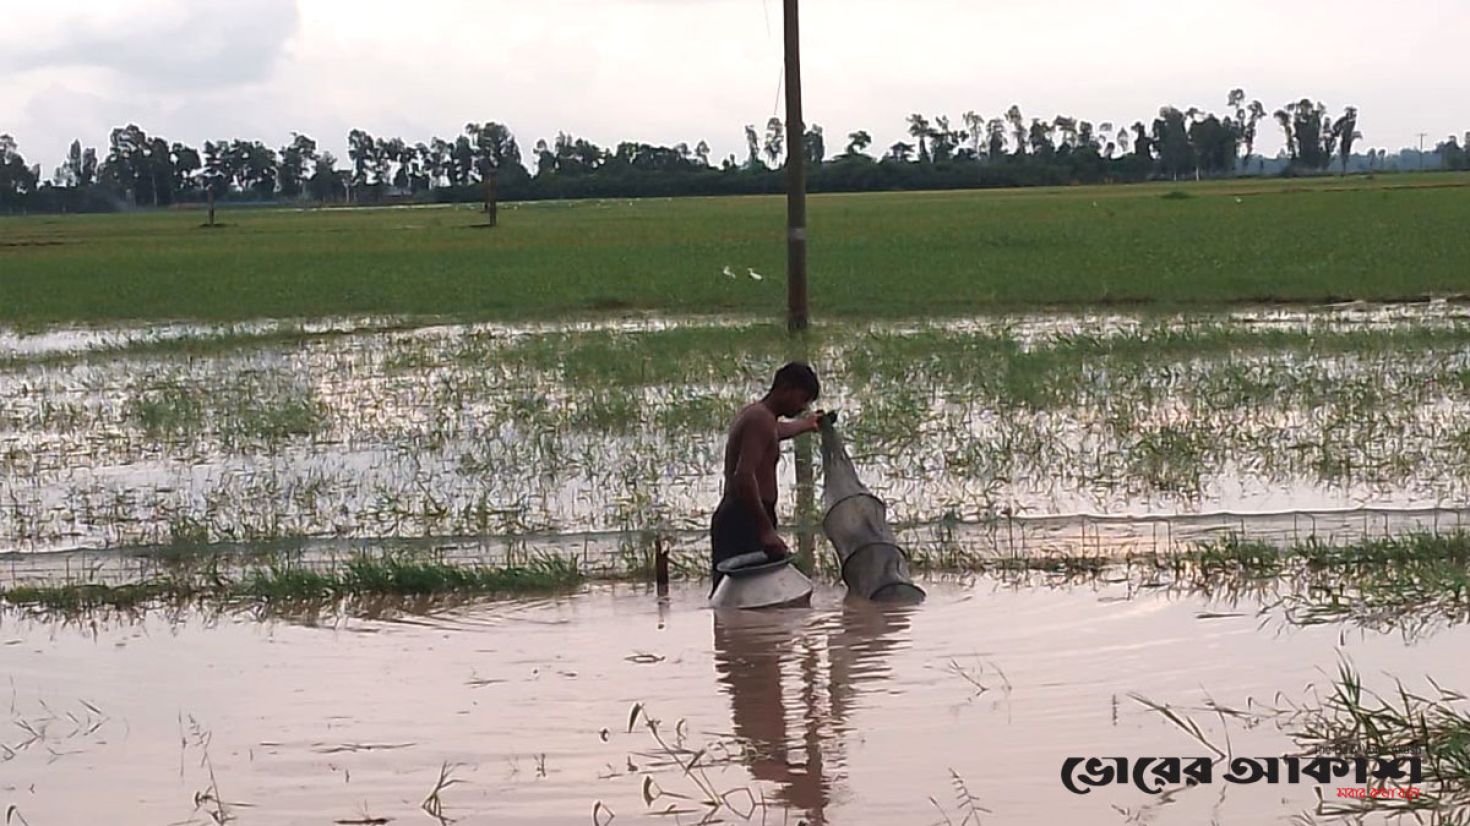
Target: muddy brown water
<point>842,713</point>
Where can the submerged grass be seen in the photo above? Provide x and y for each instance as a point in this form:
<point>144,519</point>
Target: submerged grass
<point>1352,721</point>
<point>248,407</point>
<point>1413,584</point>
<point>361,576</point>
<point>1400,582</point>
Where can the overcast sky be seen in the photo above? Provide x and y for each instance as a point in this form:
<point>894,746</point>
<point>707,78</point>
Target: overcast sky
<point>665,71</point>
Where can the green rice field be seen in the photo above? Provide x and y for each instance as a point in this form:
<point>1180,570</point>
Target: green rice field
<point>1185,245</point>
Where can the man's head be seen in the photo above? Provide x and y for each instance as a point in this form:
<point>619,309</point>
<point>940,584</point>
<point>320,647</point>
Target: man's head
<point>794,388</point>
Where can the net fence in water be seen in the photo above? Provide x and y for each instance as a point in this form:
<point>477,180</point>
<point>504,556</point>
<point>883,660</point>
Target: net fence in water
<point>942,545</point>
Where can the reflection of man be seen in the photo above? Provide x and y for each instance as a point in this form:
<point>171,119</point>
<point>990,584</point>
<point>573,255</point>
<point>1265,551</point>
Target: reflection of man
<point>751,649</point>
<point>745,521</point>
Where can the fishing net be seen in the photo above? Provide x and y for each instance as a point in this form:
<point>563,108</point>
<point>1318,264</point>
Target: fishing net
<point>873,564</point>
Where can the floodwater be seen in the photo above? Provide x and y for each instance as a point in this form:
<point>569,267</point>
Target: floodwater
<point>364,429</point>
<point>487,443</point>
<point>842,713</point>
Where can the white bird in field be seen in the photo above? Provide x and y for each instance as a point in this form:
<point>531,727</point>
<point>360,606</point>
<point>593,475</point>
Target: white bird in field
<point>729,273</point>
<point>755,275</point>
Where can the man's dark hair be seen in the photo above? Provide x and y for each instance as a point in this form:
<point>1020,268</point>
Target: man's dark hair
<point>800,375</point>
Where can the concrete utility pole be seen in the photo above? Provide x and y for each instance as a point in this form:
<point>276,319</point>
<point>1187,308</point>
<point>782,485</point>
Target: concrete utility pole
<point>797,316</point>
<point>1422,136</point>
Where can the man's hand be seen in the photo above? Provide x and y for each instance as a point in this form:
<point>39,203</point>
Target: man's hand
<point>774,545</point>
<point>813,422</point>
<point>796,427</point>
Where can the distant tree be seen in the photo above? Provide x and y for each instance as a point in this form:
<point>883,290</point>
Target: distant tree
<point>326,181</point>
<point>996,138</point>
<point>1040,139</point>
<point>1345,130</point>
<point>1304,123</point>
<point>901,152</point>
<point>256,170</point>
<point>1018,129</point>
<point>79,170</point>
<point>462,162</point>
<point>17,180</point>
<point>974,131</point>
<point>186,163</point>
<point>943,140</point>
<point>701,152</point>
<point>573,156</point>
<point>1066,128</point>
<point>1215,144</point>
<point>1143,145</point>
<point>1086,135</point>
<point>1452,154</point>
<point>158,168</point>
<point>775,141</point>
<point>814,145</point>
<point>1171,136</point>
<point>438,161</point>
<point>126,166</point>
<point>545,159</point>
<point>217,174</point>
<point>405,162</point>
<point>1283,119</point>
<point>753,146</point>
<point>1247,119</point>
<point>420,162</point>
<point>388,159</point>
<point>297,161</point>
<point>920,131</point>
<point>495,148</point>
<point>362,150</point>
<point>1124,139</point>
<point>858,142</point>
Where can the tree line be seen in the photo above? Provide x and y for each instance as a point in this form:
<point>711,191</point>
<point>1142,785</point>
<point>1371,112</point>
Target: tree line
<point>136,169</point>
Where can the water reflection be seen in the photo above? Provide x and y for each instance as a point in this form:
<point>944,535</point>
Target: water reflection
<point>794,681</point>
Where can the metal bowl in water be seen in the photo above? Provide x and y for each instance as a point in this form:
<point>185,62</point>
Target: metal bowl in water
<point>752,582</point>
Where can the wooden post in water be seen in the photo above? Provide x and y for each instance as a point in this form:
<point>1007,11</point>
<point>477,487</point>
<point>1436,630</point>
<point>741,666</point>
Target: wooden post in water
<point>661,565</point>
<point>796,298</point>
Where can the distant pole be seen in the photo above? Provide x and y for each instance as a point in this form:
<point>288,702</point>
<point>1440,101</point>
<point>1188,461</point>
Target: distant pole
<point>1422,136</point>
<point>210,189</point>
<point>492,207</point>
<point>797,316</point>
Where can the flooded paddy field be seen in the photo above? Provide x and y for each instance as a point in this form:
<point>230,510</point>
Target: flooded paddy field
<point>539,710</point>
<point>1153,535</point>
<point>364,431</point>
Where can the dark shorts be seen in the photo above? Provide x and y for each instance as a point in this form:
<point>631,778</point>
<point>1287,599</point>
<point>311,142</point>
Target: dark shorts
<point>734,532</point>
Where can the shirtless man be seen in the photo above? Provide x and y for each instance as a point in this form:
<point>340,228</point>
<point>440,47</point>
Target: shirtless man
<point>745,521</point>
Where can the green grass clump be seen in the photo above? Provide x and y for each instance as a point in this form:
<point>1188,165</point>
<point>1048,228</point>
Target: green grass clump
<point>362,576</point>
<point>249,407</point>
<point>873,255</point>
<point>1352,720</point>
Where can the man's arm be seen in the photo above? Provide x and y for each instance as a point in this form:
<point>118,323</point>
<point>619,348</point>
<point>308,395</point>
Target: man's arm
<point>796,427</point>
